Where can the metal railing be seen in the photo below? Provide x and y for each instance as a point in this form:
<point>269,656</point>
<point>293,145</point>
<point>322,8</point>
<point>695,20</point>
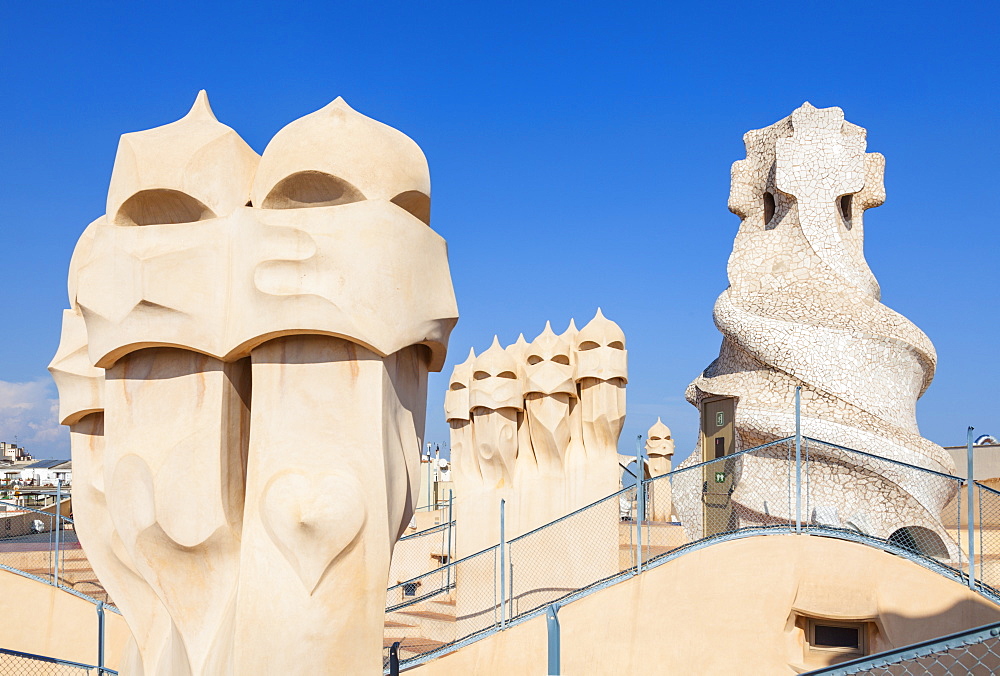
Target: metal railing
<point>43,545</point>
<point>423,551</point>
<point>796,485</point>
<point>976,651</point>
<point>792,485</point>
<point>433,506</point>
<point>14,663</point>
<point>985,518</point>
<point>444,530</point>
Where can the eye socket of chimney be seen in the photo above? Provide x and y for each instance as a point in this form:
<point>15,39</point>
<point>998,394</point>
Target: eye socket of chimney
<point>768,208</point>
<point>845,209</point>
<point>311,189</point>
<point>161,207</point>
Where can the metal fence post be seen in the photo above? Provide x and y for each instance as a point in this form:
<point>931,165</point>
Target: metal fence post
<point>451,524</point>
<point>394,659</point>
<point>431,506</point>
<point>970,518</point>
<point>55,568</point>
<point>100,638</point>
<point>552,623</point>
<point>798,459</point>
<point>503,570</point>
<point>639,511</point>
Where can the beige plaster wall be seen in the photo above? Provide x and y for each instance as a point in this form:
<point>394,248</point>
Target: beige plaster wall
<point>986,459</point>
<point>44,620</point>
<point>731,609</point>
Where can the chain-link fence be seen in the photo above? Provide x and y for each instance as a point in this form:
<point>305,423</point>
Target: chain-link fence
<point>749,490</point>
<point>904,508</point>
<point>790,485</point>
<point>986,536</point>
<point>32,544</point>
<point>584,548</point>
<point>424,614</point>
<point>14,663</point>
<point>422,552</point>
<point>813,486</point>
<point>975,652</point>
<point>505,583</point>
<point>75,571</point>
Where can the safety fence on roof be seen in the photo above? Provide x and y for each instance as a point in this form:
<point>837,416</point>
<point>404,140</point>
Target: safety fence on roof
<point>436,528</point>
<point>975,652</point>
<point>793,485</point>
<point>31,545</point>
<point>423,551</point>
<point>42,544</point>
<point>14,663</point>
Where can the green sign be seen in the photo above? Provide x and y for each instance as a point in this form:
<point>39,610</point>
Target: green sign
<point>720,477</point>
<point>720,419</point>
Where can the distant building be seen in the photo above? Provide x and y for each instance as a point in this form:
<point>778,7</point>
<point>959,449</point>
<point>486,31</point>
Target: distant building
<point>47,472</point>
<point>985,456</point>
<point>13,453</point>
<point>435,481</point>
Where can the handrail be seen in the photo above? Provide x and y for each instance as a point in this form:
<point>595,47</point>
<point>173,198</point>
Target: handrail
<point>916,651</point>
<point>56,660</point>
<point>68,590</point>
<point>430,507</point>
<point>571,514</point>
<point>745,451</point>
<point>986,488</point>
<point>885,459</point>
<point>427,531</point>
<point>441,568</point>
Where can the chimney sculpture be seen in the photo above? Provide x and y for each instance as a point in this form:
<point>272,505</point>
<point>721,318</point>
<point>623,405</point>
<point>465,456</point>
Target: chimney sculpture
<point>601,375</point>
<point>545,420</point>
<point>243,335</point>
<point>660,451</point>
<point>81,408</point>
<point>457,413</point>
<point>495,398</point>
<point>803,309</point>
<point>550,393</point>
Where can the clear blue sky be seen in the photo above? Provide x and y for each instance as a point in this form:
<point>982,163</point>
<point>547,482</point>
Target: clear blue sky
<point>579,153</point>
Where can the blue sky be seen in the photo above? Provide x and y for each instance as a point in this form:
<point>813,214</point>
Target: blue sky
<point>579,153</point>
